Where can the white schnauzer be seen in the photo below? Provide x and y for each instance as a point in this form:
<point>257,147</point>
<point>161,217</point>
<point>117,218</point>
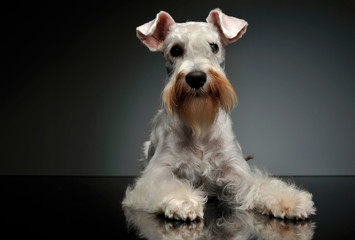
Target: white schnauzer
<point>192,152</point>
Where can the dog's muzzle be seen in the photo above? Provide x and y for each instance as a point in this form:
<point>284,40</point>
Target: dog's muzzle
<point>196,79</point>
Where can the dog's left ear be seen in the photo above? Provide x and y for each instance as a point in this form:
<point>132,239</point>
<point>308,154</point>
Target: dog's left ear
<point>229,28</point>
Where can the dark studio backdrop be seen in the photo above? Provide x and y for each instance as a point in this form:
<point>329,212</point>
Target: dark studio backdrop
<point>79,90</point>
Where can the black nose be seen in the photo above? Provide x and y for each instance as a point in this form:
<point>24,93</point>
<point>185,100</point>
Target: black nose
<point>196,79</point>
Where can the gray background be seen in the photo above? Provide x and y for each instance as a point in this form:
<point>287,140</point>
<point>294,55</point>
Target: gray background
<point>79,90</point>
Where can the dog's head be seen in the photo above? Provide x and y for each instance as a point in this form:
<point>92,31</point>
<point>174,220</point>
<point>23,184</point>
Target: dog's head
<point>194,56</point>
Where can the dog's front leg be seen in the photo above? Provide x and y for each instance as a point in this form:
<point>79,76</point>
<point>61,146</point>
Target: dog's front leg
<point>274,196</point>
<point>251,189</point>
<point>159,191</point>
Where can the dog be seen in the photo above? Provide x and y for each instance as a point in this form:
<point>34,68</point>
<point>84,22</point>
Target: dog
<point>193,153</point>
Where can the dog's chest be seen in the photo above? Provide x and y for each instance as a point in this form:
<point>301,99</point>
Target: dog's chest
<point>196,158</point>
<point>200,150</point>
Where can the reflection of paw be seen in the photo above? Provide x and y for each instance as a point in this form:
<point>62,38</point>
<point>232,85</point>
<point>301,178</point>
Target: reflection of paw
<point>183,208</point>
<point>299,206</point>
<point>277,229</point>
<point>186,230</point>
<point>151,226</point>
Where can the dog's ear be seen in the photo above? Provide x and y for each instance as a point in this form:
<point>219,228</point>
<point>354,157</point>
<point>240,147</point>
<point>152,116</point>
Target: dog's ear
<point>153,33</point>
<point>229,28</point>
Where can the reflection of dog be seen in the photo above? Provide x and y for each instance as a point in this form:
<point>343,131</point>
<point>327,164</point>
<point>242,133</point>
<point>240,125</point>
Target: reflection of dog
<point>221,225</point>
<point>192,150</point>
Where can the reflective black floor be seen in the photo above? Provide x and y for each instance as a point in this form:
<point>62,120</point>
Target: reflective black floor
<point>82,207</point>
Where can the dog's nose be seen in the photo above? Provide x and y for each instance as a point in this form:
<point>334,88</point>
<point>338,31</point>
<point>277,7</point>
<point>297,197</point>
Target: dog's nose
<point>196,79</point>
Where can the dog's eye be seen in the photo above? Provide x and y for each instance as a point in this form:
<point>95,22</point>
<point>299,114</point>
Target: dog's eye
<point>214,48</point>
<point>176,51</point>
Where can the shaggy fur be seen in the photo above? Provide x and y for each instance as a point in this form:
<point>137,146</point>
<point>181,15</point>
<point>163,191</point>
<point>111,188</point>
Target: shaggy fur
<point>192,152</point>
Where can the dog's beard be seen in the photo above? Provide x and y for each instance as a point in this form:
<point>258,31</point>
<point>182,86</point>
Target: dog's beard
<point>198,108</point>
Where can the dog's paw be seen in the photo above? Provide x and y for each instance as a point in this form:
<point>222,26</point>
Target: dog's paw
<point>183,208</point>
<point>292,206</point>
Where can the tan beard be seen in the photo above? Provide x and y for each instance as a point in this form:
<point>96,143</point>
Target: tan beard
<point>198,109</point>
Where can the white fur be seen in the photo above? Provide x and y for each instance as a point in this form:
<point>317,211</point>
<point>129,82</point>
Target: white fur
<point>180,168</point>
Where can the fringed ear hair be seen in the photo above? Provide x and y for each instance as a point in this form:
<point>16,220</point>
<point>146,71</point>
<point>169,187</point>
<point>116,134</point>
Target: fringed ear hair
<point>229,28</point>
<point>153,33</point>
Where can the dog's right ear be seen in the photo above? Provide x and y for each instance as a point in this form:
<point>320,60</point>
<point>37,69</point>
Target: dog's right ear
<point>153,33</point>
